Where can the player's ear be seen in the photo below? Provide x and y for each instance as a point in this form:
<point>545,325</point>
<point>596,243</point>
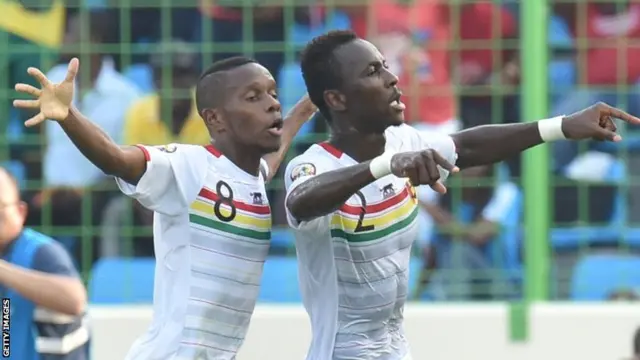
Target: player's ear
<point>213,119</point>
<point>335,100</point>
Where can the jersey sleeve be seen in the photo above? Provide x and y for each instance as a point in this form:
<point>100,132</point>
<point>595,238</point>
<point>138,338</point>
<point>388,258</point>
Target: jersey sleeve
<point>299,170</point>
<point>174,176</point>
<point>420,140</point>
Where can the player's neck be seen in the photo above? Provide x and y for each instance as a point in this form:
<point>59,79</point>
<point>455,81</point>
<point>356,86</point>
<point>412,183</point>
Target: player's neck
<point>244,158</point>
<point>360,147</point>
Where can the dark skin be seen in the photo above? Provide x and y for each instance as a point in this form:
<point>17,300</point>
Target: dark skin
<point>241,128</point>
<point>361,112</point>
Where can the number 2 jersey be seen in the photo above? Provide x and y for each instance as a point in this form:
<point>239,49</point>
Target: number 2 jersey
<point>212,229</point>
<point>353,263</point>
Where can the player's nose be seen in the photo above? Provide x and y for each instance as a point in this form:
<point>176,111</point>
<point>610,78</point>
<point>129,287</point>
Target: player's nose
<point>273,104</point>
<point>391,80</point>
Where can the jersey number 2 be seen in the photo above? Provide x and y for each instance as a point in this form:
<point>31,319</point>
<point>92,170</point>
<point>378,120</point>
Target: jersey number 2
<point>226,200</point>
<point>359,226</point>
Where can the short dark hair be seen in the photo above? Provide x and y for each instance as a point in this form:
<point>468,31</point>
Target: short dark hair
<point>209,82</point>
<point>319,69</point>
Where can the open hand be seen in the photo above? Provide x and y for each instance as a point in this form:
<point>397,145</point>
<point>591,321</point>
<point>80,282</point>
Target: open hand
<point>422,168</point>
<point>596,122</point>
<point>52,100</point>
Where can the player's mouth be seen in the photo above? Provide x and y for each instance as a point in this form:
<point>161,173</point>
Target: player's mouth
<point>276,127</point>
<point>395,102</point>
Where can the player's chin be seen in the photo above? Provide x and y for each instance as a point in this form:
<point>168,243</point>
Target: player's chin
<point>271,144</point>
<point>396,118</point>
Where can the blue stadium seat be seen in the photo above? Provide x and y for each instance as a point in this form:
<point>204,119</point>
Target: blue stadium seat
<point>122,281</point>
<point>291,89</point>
<point>280,280</point>
<point>141,75</point>
<point>571,238</point>
<point>300,34</point>
<point>282,238</point>
<point>597,276</point>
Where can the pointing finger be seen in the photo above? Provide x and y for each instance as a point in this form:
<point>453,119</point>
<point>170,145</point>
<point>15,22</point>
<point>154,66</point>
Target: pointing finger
<point>35,120</point>
<point>38,75</point>
<point>609,110</point>
<point>26,104</point>
<point>28,89</point>
<point>72,70</point>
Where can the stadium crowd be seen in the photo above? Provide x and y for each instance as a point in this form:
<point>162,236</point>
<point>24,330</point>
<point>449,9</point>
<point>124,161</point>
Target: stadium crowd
<point>458,65</point>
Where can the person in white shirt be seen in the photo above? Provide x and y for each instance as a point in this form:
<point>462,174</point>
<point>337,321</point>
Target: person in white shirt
<point>351,201</point>
<point>211,215</point>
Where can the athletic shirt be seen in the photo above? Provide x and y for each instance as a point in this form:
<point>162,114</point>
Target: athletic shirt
<point>354,262</point>
<point>211,230</point>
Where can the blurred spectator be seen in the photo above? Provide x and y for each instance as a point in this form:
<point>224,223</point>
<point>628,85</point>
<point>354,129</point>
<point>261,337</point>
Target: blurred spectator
<point>229,29</point>
<point>169,115</point>
<point>47,297</point>
<point>37,28</point>
<point>105,96</point>
<point>488,70</point>
<point>463,250</point>
<point>165,117</point>
<point>636,345</point>
<point>612,31</point>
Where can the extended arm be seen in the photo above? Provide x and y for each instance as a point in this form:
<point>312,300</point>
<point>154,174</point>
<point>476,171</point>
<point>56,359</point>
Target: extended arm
<point>300,113</point>
<point>492,143</point>
<point>128,162</point>
<point>53,282</point>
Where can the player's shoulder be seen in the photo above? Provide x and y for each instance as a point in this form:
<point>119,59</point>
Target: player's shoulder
<point>316,156</point>
<point>181,152</point>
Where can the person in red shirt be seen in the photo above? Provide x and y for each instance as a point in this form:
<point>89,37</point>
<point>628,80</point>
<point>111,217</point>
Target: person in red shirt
<point>612,34</point>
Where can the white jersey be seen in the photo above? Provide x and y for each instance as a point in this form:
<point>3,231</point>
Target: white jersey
<point>211,229</point>
<point>354,262</point>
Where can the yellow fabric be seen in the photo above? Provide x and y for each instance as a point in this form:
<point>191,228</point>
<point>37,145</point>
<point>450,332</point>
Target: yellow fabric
<point>43,28</point>
<point>143,125</point>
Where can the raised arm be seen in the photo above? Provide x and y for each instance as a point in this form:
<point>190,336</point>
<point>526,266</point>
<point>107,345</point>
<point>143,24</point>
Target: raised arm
<point>54,102</point>
<point>492,143</point>
<point>295,118</point>
<point>322,194</point>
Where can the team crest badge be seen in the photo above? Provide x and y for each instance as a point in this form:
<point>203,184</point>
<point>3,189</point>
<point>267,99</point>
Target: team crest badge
<point>388,191</point>
<point>171,148</point>
<point>256,198</point>
<point>302,170</point>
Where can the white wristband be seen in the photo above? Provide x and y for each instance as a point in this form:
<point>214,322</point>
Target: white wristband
<point>551,129</point>
<point>381,165</point>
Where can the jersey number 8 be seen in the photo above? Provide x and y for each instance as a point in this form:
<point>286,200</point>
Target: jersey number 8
<point>226,200</point>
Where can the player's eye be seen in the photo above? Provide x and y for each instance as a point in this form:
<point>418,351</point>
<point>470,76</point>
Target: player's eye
<point>373,70</point>
<point>274,95</point>
<point>253,97</point>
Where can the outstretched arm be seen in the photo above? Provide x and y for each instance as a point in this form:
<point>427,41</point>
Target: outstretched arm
<point>296,117</point>
<point>125,162</point>
<point>54,103</point>
<point>492,143</point>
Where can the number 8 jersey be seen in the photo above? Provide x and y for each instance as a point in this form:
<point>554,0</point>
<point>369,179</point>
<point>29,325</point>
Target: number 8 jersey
<point>353,263</point>
<point>211,228</point>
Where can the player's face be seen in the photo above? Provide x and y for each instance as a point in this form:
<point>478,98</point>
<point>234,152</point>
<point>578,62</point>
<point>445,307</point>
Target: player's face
<point>370,90</point>
<point>252,110</point>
